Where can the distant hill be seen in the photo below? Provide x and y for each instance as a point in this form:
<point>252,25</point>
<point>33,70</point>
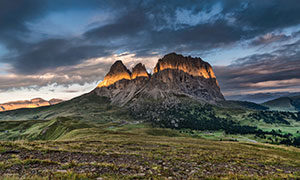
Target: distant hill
<point>284,104</point>
<point>242,104</point>
<point>87,107</point>
<point>33,103</point>
<point>261,97</point>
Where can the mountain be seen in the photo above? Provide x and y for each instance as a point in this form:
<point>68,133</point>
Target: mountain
<point>139,71</point>
<point>174,76</point>
<point>182,94</point>
<point>193,66</point>
<point>117,72</point>
<point>33,103</point>
<point>186,79</point>
<point>261,97</point>
<point>284,104</point>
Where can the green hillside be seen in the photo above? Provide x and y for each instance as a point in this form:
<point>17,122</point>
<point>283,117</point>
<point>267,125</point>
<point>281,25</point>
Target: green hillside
<point>138,151</point>
<point>88,107</point>
<point>190,117</point>
<point>87,138</point>
<point>284,104</point>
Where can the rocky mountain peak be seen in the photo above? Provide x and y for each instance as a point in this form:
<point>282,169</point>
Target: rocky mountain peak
<point>139,70</point>
<point>174,76</point>
<point>190,65</point>
<point>117,72</point>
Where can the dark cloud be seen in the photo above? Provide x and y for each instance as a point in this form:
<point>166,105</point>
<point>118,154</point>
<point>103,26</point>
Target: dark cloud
<point>65,76</point>
<point>199,37</point>
<point>151,27</point>
<point>274,38</point>
<point>269,39</point>
<point>128,24</point>
<point>13,14</point>
<point>53,53</point>
<point>269,15</point>
<point>270,71</point>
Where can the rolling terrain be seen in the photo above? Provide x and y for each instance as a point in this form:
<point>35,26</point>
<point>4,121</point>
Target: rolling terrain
<point>284,104</point>
<point>173,124</point>
<point>141,152</point>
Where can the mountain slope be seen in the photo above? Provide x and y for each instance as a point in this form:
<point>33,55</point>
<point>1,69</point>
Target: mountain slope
<point>88,107</point>
<point>175,96</point>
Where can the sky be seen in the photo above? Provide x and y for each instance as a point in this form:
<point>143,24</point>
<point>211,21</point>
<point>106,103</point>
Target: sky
<point>62,49</point>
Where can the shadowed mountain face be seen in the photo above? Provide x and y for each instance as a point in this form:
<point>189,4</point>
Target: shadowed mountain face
<point>174,76</point>
<point>34,103</point>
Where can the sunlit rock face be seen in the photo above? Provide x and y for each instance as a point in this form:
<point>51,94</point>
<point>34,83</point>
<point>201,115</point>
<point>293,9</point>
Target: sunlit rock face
<point>192,66</point>
<point>34,103</point>
<point>174,76</point>
<point>139,71</point>
<point>117,72</point>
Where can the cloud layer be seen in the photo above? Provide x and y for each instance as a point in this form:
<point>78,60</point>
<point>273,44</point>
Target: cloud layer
<point>277,71</point>
<point>37,55</point>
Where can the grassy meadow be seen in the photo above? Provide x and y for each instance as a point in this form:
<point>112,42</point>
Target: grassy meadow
<point>87,138</point>
<point>137,151</point>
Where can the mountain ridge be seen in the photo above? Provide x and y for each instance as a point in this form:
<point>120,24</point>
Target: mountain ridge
<point>193,66</point>
<point>291,103</point>
<point>173,75</point>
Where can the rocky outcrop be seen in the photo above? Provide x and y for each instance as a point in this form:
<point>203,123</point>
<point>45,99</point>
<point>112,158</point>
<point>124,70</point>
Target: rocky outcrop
<point>192,66</point>
<point>139,71</point>
<point>117,72</point>
<point>33,103</point>
<point>174,76</point>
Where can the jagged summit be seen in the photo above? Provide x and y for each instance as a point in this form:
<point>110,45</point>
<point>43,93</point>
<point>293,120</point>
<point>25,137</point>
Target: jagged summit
<point>174,76</point>
<point>192,66</point>
<point>139,70</point>
<point>117,72</point>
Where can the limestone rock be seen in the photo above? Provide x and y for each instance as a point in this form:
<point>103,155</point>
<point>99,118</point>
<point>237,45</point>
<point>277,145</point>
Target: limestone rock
<point>117,72</point>
<point>139,71</point>
<point>192,66</point>
<point>174,76</point>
